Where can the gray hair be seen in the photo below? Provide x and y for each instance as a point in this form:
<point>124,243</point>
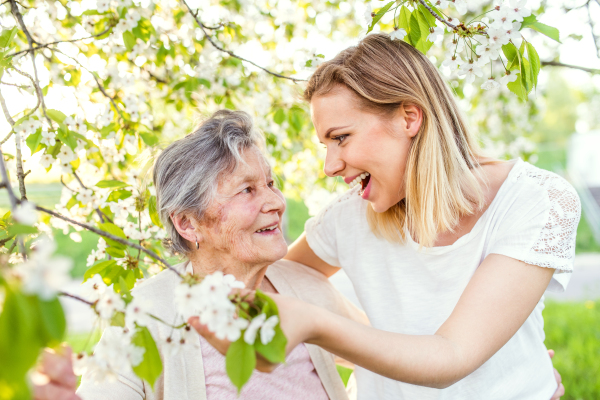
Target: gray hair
<point>186,174</point>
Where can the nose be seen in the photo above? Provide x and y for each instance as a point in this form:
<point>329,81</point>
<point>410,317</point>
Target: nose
<point>273,200</point>
<point>334,165</point>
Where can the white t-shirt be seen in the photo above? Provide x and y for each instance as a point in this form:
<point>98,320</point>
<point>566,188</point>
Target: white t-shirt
<point>404,289</point>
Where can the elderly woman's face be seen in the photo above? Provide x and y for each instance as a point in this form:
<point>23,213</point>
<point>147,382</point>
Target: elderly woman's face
<point>244,220</point>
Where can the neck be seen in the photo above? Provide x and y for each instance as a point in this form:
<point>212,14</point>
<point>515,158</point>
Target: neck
<point>252,274</point>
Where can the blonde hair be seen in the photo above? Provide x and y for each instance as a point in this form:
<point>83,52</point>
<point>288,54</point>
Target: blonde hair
<point>441,175</point>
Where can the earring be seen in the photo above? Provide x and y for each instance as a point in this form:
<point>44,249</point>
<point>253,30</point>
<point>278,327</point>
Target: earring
<point>197,245</point>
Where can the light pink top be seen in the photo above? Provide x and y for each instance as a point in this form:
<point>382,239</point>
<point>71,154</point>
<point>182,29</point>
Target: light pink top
<point>297,379</point>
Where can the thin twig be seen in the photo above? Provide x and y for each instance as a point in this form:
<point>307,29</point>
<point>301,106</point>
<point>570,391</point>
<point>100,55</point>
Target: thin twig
<point>109,236</point>
<point>98,84</point>
<point>232,54</point>
<point>20,173</point>
<point>45,45</point>
<point>559,64</point>
<point>13,204</point>
<point>100,213</point>
<point>15,85</point>
<point>65,294</point>
<point>37,94</point>
<point>442,20</point>
<point>19,17</point>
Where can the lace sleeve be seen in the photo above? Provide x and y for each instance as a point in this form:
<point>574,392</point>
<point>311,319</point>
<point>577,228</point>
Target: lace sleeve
<point>555,246</point>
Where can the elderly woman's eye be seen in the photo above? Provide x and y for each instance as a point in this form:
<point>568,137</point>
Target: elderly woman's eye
<point>247,190</point>
<point>271,184</point>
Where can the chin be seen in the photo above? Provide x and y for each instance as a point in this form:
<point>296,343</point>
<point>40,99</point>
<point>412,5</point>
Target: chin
<point>378,207</point>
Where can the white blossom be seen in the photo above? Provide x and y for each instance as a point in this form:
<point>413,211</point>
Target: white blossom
<point>518,10</point>
<point>137,312</point>
<point>85,196</point>
<point>469,71</point>
<point>435,33</point>
<point>513,33</point>
<point>253,327</point>
<point>109,303</point>
<point>267,330</point>
<point>461,6</point>
<point>506,78</point>
<point>502,18</point>
<point>490,84</point>
<point>26,213</point>
<point>48,138</point>
<point>102,5</point>
<point>368,15</point>
<point>93,288</point>
<point>42,274</point>
<point>398,34</point>
<point>66,155</point>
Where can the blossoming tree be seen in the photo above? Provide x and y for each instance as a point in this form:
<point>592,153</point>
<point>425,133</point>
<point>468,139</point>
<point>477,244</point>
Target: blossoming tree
<point>92,88</point>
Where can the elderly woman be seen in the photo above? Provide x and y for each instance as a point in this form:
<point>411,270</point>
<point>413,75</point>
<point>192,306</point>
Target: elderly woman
<point>222,210</point>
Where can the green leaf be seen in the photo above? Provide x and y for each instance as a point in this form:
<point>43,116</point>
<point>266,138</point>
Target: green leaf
<point>144,30</point>
<point>20,229</point>
<point>275,350</point>
<point>240,362</point>
<point>154,212</point>
<point>151,366</point>
<point>118,319</point>
<point>534,61</point>
<point>404,19</point>
<point>114,252</point>
<point>99,268</point>
<point>279,116</point>
<point>129,40</point>
<point>67,138</point>
<point>56,116</point>
<point>72,201</point>
<point>512,56</point>
<point>149,138</point>
<point>428,16</point>
<point>115,195</point>
<point>344,373</point>
<point>532,23</point>
<point>423,45</point>
<point>7,37</point>
<point>111,184</point>
<point>116,231</point>
<point>53,321</point>
<point>33,141</point>
<point>415,29</point>
<point>20,337</point>
<point>380,14</point>
<point>517,88</point>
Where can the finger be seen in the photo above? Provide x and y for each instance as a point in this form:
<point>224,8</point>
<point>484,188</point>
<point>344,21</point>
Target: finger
<point>557,376</point>
<point>264,365</point>
<point>559,392</point>
<point>551,353</point>
<point>59,367</point>
<point>52,391</point>
<point>220,344</point>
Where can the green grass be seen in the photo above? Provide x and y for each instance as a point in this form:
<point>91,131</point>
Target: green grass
<point>573,331</point>
<point>297,214</point>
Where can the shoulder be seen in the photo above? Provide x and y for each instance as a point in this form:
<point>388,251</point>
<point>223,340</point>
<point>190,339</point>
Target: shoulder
<point>558,192</point>
<point>159,287</point>
<point>349,201</point>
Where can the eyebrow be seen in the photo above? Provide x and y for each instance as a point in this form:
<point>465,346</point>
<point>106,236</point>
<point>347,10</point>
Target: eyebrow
<point>328,133</point>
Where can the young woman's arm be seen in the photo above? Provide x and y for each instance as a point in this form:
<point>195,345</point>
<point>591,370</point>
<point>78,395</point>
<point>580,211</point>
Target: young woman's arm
<point>500,296</point>
<point>300,252</point>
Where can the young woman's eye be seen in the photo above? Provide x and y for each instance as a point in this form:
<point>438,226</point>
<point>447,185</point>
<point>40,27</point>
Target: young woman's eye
<point>339,138</point>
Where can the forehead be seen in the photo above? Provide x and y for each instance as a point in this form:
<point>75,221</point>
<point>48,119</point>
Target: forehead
<point>252,167</point>
<point>336,108</point>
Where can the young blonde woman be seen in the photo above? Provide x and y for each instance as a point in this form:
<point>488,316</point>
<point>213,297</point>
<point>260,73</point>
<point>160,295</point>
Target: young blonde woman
<point>449,252</point>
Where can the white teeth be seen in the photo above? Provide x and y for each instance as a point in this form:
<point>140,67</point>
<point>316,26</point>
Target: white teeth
<point>267,229</point>
<point>359,179</point>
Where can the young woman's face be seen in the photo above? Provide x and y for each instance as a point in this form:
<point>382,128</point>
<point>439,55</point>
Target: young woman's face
<point>360,143</point>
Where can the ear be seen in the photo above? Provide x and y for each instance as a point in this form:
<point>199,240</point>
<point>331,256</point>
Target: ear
<point>187,227</point>
<point>413,118</point>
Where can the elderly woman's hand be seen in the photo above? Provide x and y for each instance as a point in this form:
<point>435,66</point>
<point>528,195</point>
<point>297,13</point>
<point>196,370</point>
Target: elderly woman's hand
<point>297,319</point>
<point>54,378</point>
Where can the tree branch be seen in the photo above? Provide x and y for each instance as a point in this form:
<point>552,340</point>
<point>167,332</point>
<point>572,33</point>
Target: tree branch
<point>17,14</point>
<point>232,54</point>
<point>45,45</point>
<point>442,20</point>
<point>13,204</point>
<point>20,172</point>
<point>37,94</point>
<point>65,294</point>
<point>559,64</point>
<point>109,236</point>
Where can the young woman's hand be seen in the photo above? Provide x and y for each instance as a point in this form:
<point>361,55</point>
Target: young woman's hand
<point>298,321</point>
<point>54,378</point>
<point>561,388</point>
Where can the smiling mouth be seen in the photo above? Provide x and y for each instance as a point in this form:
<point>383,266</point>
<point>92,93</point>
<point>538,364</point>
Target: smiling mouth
<point>268,228</point>
<point>363,180</point>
